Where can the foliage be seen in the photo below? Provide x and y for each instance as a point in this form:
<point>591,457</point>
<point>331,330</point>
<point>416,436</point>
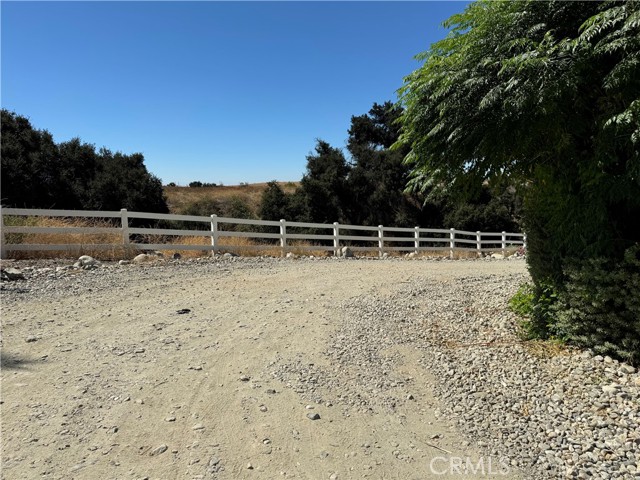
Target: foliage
<point>377,177</point>
<point>198,184</point>
<point>535,305</point>
<point>600,307</point>
<point>274,204</point>
<point>369,189</point>
<point>237,207</point>
<point>484,211</point>
<point>38,173</point>
<point>324,185</point>
<point>522,302</point>
<point>546,96</point>
<point>203,207</point>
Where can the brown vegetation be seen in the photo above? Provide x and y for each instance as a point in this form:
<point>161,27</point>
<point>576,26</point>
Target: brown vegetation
<point>179,198</point>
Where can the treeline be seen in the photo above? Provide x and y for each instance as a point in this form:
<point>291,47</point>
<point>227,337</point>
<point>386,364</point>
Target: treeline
<point>39,173</point>
<point>369,187</point>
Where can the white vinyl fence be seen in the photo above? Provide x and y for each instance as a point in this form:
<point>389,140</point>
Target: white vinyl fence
<point>266,234</point>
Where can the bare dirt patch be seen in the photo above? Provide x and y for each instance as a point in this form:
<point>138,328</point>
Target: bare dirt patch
<point>103,378</point>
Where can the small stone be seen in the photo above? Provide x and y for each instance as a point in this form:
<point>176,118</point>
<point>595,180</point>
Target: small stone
<point>11,274</point>
<point>158,450</point>
<point>313,416</point>
<point>346,252</point>
<point>198,426</point>
<point>244,378</point>
<point>170,419</point>
<point>140,401</point>
<point>271,391</point>
<point>263,408</point>
<point>249,466</point>
<point>613,388</point>
<point>410,397</point>
<point>124,262</point>
<point>31,339</point>
<point>145,258</point>
<point>139,350</point>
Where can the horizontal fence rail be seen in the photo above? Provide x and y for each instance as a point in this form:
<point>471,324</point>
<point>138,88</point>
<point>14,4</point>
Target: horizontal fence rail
<point>270,233</point>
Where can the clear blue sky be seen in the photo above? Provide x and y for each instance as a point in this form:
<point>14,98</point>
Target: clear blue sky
<point>214,91</point>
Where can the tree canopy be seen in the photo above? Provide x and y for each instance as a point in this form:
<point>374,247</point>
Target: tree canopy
<point>546,95</point>
<point>38,173</point>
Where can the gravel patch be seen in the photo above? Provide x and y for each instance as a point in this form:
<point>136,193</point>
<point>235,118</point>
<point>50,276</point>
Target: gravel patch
<point>563,415</point>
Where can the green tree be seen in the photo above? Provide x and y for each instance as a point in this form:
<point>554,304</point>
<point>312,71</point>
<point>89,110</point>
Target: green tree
<point>30,166</point>
<point>323,186</point>
<point>38,173</point>
<point>378,177</point>
<point>274,204</point>
<point>122,181</point>
<point>546,95</point>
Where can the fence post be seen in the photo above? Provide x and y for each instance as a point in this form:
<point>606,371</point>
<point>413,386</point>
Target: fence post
<point>336,239</point>
<point>214,234</point>
<point>3,251</point>
<point>504,244</point>
<point>479,243</point>
<point>416,236</point>
<point>380,241</point>
<point>452,241</point>
<point>124,219</point>
<point>283,236</point>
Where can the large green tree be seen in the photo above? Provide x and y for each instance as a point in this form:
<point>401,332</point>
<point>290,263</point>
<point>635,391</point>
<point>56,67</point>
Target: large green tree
<point>323,186</point>
<point>378,177</point>
<point>547,95</point>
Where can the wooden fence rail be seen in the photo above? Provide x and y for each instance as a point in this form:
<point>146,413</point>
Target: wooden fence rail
<point>329,237</point>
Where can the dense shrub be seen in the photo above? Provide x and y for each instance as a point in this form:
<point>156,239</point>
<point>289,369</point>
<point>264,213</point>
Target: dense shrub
<point>600,306</point>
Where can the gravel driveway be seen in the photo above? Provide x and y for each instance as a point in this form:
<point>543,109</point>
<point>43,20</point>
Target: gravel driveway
<point>298,368</point>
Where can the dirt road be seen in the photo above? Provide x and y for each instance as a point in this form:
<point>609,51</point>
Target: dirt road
<point>103,378</point>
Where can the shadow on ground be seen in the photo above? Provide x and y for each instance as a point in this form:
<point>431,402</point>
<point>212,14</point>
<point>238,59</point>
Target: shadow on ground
<point>11,361</point>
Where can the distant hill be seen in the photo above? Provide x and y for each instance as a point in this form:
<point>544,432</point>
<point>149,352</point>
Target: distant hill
<point>180,198</point>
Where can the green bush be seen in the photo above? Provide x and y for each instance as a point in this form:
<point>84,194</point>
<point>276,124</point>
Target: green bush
<point>600,307</point>
<point>522,302</point>
<point>535,305</point>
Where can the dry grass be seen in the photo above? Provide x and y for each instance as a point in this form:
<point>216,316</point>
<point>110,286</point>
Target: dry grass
<point>547,348</point>
<point>246,247</point>
<point>178,198</point>
<point>85,242</point>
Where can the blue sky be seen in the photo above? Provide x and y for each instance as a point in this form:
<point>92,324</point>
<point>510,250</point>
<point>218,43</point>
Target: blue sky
<point>223,92</point>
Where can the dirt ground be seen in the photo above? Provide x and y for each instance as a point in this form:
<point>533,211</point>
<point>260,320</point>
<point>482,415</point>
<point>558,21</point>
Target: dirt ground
<point>111,382</point>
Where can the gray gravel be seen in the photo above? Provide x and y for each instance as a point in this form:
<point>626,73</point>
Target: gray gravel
<point>555,413</point>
